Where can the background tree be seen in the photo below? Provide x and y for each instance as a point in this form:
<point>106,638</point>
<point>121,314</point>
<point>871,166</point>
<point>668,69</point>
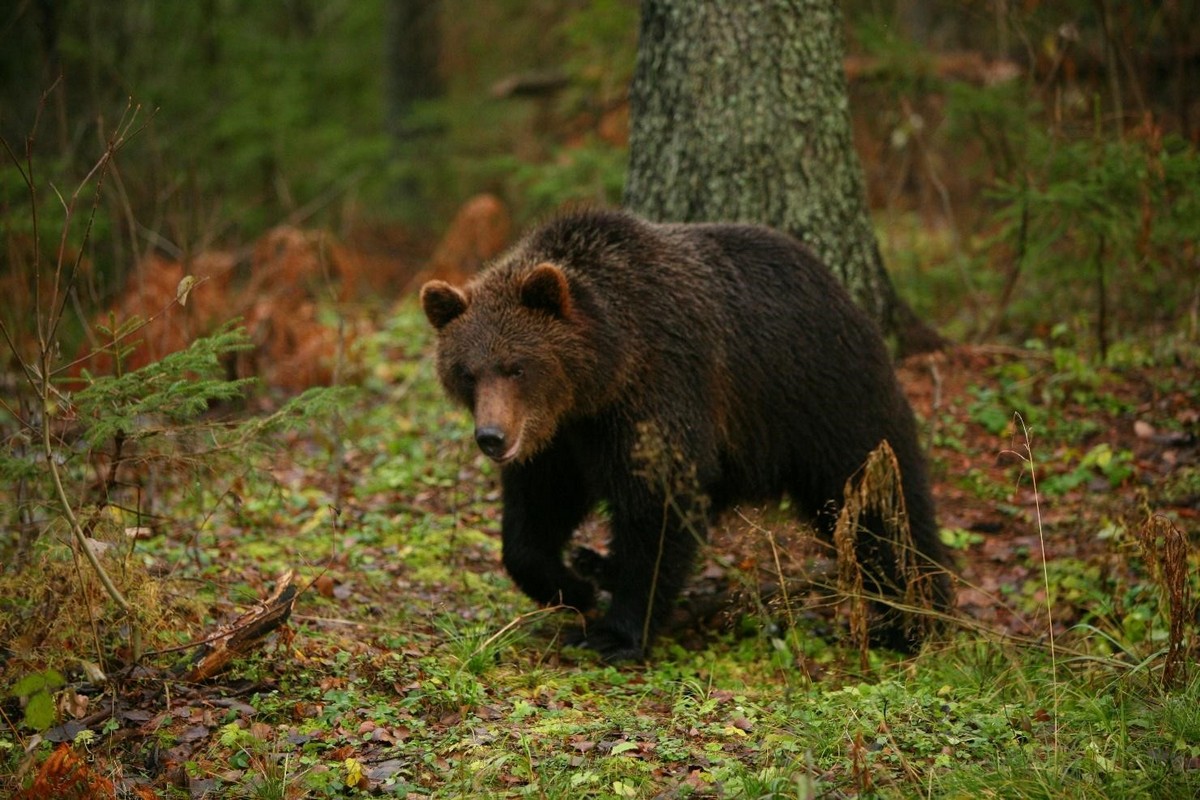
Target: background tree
<point>413,39</point>
<point>739,112</point>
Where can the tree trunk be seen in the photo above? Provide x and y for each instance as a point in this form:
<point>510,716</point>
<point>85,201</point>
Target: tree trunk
<point>740,113</point>
<point>413,39</point>
<point>413,44</point>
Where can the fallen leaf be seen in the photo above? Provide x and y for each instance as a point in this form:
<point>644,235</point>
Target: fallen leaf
<point>324,585</point>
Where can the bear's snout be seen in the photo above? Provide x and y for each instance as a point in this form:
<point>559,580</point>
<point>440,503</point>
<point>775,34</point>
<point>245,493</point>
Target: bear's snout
<point>499,422</point>
<point>492,442</point>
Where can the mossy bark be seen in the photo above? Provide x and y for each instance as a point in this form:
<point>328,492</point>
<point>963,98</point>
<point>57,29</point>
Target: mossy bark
<point>740,113</point>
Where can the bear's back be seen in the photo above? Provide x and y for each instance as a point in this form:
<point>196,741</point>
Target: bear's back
<point>739,336</point>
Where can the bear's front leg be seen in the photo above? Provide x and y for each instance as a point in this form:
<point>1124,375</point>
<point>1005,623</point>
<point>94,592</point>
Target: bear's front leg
<point>652,553</point>
<point>544,502</point>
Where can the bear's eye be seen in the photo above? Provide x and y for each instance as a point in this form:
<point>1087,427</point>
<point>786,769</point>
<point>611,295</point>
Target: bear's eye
<point>465,379</point>
<point>512,370</point>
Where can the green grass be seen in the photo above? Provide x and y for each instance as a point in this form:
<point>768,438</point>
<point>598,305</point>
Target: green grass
<point>971,717</point>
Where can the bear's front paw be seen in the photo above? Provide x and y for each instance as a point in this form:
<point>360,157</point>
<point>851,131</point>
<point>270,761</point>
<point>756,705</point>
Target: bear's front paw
<point>579,595</point>
<point>612,644</point>
<point>554,585</point>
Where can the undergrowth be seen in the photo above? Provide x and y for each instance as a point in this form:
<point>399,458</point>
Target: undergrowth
<point>98,468</point>
<point>415,667</point>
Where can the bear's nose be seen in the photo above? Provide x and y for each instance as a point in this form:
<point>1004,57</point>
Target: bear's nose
<point>490,441</point>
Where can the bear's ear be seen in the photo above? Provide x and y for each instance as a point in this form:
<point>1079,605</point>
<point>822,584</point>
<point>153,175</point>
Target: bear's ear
<point>442,303</point>
<point>546,289</point>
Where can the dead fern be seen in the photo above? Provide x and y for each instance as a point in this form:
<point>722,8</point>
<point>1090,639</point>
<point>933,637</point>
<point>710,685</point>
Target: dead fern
<point>1167,552</point>
<point>876,492</point>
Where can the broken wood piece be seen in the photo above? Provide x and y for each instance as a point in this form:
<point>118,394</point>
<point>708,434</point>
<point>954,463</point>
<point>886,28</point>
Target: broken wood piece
<point>246,633</point>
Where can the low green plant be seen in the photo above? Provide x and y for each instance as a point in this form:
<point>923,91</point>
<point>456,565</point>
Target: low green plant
<point>1101,461</point>
<point>1182,486</point>
<point>36,691</point>
<point>989,410</point>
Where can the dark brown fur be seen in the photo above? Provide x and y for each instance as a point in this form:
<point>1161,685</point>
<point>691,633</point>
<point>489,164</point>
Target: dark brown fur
<point>731,342</point>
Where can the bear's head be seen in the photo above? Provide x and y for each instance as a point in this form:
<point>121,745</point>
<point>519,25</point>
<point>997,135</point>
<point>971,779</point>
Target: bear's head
<point>509,349</point>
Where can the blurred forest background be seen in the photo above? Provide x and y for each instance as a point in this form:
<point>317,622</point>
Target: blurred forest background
<point>1030,164</point>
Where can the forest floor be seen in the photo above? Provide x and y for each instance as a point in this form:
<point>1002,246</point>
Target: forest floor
<point>412,667</point>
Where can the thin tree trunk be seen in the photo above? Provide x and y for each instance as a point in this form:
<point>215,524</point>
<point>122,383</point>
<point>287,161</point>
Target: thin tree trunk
<point>739,113</point>
<point>413,40</point>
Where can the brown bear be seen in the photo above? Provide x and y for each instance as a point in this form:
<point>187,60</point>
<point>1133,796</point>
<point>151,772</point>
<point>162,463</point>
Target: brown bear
<point>733,344</point>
